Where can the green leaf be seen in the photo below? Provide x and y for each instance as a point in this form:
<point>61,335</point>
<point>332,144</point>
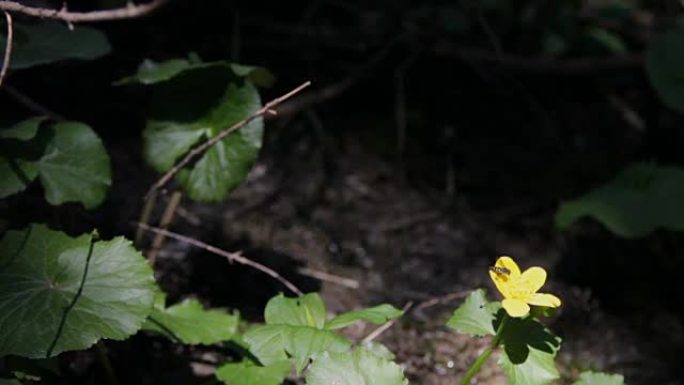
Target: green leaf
<point>475,316</point>
<point>640,199</point>
<point>266,343</point>
<point>41,271</point>
<point>307,310</point>
<point>75,167</point>
<point>247,373</point>
<point>190,323</point>
<point>377,315</point>
<point>665,68</point>
<point>151,72</point>
<point>24,130</point>
<point>7,381</point>
<point>593,378</point>
<point>193,106</point>
<point>15,175</point>
<point>273,343</point>
<point>51,41</point>
<point>358,367</point>
<point>529,352</point>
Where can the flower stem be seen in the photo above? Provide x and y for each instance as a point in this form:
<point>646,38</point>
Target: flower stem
<point>477,365</point>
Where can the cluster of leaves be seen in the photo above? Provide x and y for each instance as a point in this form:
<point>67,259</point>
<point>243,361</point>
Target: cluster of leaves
<point>529,348</point>
<point>644,196</point>
<point>59,293</point>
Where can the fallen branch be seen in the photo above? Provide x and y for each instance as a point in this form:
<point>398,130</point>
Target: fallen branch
<point>129,12</point>
<point>8,47</point>
<point>232,257</point>
<point>266,109</point>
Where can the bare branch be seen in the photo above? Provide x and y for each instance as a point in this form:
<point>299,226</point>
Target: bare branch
<point>8,47</point>
<point>232,257</point>
<point>267,109</point>
<point>129,12</point>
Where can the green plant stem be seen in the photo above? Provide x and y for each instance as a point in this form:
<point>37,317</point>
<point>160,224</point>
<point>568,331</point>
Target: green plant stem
<point>477,365</point>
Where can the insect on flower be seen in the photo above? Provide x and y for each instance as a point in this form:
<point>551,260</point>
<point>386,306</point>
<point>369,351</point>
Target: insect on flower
<point>519,289</point>
<point>499,270</point>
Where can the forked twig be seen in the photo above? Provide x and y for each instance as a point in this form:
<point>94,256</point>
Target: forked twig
<point>8,47</point>
<point>232,257</point>
<point>128,12</point>
<point>266,109</point>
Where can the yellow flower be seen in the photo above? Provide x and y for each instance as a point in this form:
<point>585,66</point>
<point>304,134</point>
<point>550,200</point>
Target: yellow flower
<point>520,289</point>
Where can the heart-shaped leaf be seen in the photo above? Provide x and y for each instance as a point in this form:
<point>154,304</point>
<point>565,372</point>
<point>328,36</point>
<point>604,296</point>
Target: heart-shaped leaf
<point>59,293</point>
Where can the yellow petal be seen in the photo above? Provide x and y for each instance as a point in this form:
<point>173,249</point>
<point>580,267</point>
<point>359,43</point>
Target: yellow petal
<point>515,307</point>
<point>540,299</point>
<point>503,281</point>
<point>508,263</point>
<point>533,279</point>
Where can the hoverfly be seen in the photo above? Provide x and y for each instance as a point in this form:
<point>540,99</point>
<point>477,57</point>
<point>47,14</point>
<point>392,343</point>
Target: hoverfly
<point>499,270</point>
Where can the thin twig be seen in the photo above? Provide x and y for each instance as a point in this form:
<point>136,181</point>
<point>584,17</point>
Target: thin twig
<point>232,257</point>
<point>441,300</point>
<point>375,333</point>
<point>266,109</point>
<point>8,47</point>
<point>166,219</point>
<point>327,277</point>
<point>129,12</point>
<point>31,104</point>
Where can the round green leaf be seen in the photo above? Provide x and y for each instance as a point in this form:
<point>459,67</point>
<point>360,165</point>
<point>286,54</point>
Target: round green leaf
<point>41,271</point>
<point>640,199</point>
<point>593,378</point>
<point>665,68</point>
<point>50,41</point>
<point>358,367</point>
<point>475,316</point>
<point>247,373</point>
<point>190,323</point>
<point>75,167</point>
